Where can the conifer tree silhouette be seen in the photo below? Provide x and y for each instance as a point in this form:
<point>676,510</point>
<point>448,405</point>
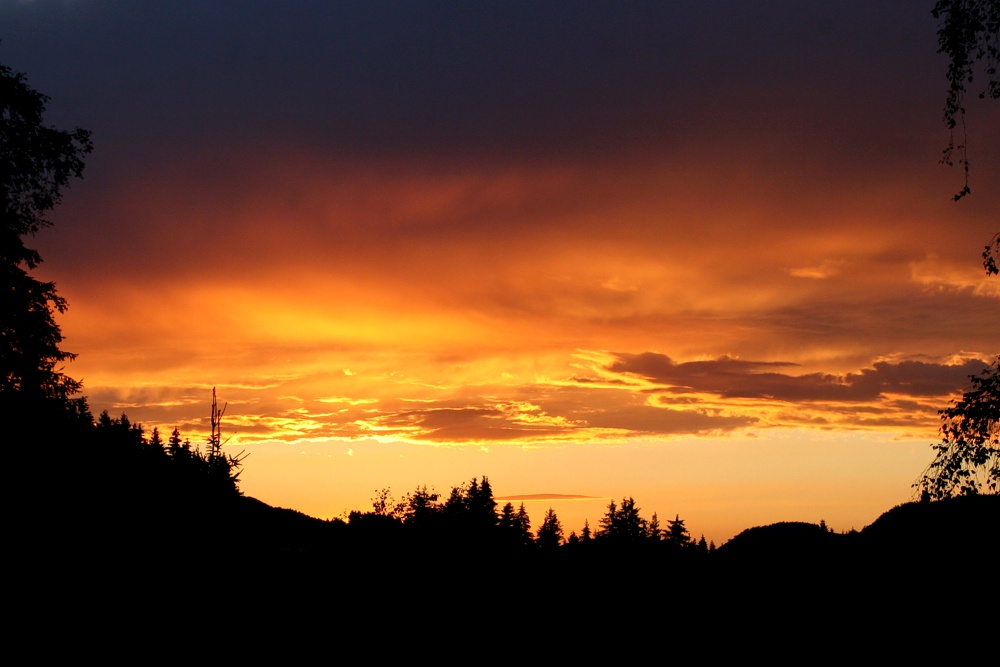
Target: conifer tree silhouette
<point>36,163</point>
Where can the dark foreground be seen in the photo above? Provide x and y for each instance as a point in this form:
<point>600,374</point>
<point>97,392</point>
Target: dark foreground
<point>113,542</point>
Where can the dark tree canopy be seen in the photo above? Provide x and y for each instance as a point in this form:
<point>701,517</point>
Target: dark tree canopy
<point>967,461</point>
<point>624,523</point>
<point>36,163</point>
<point>969,34</point>
<point>677,533</point>
<point>991,255</point>
<point>550,533</point>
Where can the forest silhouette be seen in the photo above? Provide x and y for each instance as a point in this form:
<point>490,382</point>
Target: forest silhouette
<point>109,512</point>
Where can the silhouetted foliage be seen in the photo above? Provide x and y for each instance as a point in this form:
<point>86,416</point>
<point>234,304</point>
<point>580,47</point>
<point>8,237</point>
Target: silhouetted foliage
<point>383,504</point>
<point>677,534</point>
<point>623,524</point>
<point>481,505</point>
<point>523,526</point>
<point>967,460</point>
<point>470,511</point>
<point>653,530</point>
<point>991,256</point>
<point>177,449</point>
<point>608,524</point>
<point>507,525</point>
<point>506,519</point>
<point>968,35</point>
<point>134,459</point>
<point>550,533</point>
<point>421,506</point>
<point>36,163</point>
<point>155,441</point>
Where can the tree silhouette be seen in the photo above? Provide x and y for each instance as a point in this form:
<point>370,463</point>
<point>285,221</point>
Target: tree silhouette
<point>420,506</point>
<point>156,442</point>
<point>677,533</point>
<point>119,433</point>
<point>383,504</point>
<point>991,255</point>
<point>968,35</point>
<point>607,526</point>
<point>967,461</point>
<point>481,505</point>
<point>653,530</point>
<point>623,524</point>
<point>36,163</point>
<point>523,524</point>
<point>550,533</point>
<point>175,448</point>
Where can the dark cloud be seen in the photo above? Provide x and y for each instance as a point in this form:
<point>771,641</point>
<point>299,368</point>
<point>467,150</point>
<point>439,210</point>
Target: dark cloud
<point>734,378</point>
<point>650,420</point>
<point>405,78</point>
<point>456,425</point>
<point>544,496</point>
<point>551,413</point>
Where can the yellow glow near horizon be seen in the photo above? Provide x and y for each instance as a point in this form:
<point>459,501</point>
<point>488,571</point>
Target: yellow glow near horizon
<point>719,486</point>
<point>562,331</point>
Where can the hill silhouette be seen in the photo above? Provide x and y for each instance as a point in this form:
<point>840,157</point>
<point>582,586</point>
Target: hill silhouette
<point>782,542</point>
<point>117,524</point>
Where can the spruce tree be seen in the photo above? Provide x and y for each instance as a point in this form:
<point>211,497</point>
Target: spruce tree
<point>550,533</point>
<point>36,163</point>
<point>677,534</point>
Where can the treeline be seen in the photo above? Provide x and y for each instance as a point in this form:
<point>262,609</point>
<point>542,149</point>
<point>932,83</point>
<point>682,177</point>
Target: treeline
<point>112,508</point>
<point>185,469</point>
<point>470,514</point>
<point>103,490</point>
<point>134,490</point>
<point>114,452</point>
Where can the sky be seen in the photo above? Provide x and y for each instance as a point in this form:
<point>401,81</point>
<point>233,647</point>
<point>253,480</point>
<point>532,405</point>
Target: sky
<point>702,254</point>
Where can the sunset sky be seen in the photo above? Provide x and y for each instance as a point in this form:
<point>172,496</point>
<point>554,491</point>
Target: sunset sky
<point>697,253</point>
